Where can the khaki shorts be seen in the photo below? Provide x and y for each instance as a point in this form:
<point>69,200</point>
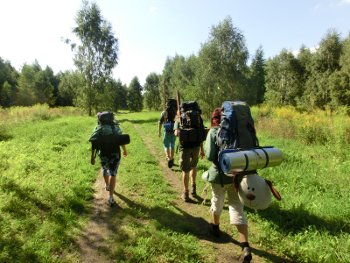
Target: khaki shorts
<point>237,216</point>
<point>188,158</point>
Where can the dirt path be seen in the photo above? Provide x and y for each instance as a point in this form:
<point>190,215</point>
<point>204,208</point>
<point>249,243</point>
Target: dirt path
<point>93,241</point>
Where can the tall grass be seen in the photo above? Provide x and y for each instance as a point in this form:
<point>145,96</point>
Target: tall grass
<point>312,223</point>
<point>37,112</point>
<point>318,127</point>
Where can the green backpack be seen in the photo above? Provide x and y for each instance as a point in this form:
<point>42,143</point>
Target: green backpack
<point>107,136</point>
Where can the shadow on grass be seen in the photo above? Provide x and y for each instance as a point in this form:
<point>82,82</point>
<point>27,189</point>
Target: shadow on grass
<point>181,222</point>
<point>152,120</point>
<point>298,219</point>
<point>21,222</point>
<point>5,135</point>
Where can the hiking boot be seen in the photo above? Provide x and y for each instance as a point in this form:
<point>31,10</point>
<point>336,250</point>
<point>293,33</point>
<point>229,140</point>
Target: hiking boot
<point>194,192</point>
<point>111,201</point>
<point>246,255</point>
<point>214,230</point>
<point>185,196</point>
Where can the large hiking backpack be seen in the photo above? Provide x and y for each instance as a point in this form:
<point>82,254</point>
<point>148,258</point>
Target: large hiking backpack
<point>191,123</point>
<point>107,136</point>
<point>237,129</point>
<point>169,115</point>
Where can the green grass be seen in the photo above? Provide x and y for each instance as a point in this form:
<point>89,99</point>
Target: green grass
<point>46,187</point>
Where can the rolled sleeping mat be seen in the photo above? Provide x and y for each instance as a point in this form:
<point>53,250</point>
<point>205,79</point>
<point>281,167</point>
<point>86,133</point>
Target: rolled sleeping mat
<point>235,161</point>
<point>122,139</point>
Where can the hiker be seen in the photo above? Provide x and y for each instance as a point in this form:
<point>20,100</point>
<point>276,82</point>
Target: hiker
<point>191,145</point>
<point>167,118</point>
<point>222,184</point>
<point>104,144</point>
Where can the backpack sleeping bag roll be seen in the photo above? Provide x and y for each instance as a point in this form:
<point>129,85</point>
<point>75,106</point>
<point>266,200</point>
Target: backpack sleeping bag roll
<point>239,150</point>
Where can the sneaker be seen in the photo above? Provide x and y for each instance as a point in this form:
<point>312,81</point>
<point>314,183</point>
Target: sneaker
<point>169,163</point>
<point>194,192</point>
<point>111,201</point>
<point>107,187</point>
<point>214,230</point>
<point>246,255</point>
<point>185,196</point>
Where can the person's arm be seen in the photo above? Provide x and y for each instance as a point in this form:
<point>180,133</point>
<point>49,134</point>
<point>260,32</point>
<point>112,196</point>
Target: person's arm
<point>160,123</point>
<point>210,146</point>
<point>125,153</point>
<point>159,129</point>
<point>176,128</point>
<point>93,156</point>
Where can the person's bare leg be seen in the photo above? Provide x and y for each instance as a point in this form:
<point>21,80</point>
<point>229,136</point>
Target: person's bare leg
<point>193,174</point>
<point>185,180</point>
<point>112,182</point>
<point>242,232</point>
<point>215,219</point>
<point>167,153</point>
<point>246,255</point>
<point>106,178</point>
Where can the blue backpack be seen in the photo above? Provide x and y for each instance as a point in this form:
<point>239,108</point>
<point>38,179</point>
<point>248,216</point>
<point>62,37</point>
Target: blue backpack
<point>236,129</point>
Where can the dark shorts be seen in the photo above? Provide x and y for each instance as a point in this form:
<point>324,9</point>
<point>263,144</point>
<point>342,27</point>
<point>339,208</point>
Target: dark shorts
<point>188,158</point>
<point>110,164</point>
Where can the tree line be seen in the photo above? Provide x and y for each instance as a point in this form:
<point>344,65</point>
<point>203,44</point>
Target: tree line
<point>221,70</point>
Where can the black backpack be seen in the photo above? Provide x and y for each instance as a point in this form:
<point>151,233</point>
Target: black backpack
<point>236,129</point>
<point>191,123</point>
<point>169,115</point>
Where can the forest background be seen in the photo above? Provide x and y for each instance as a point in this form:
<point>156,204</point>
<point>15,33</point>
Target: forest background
<point>307,79</point>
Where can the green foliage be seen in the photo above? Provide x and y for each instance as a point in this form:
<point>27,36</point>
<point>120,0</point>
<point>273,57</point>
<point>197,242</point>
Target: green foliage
<point>69,85</point>
<point>283,80</point>
<point>97,55</point>
<point>134,98</point>
<point>257,78</point>
<point>222,67</point>
<point>8,81</point>
<point>152,96</point>
<point>35,85</point>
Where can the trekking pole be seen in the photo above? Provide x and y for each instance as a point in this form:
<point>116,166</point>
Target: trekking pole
<point>178,106</point>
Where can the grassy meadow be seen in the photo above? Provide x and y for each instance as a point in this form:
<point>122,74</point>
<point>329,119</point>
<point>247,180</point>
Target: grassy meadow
<point>46,188</point>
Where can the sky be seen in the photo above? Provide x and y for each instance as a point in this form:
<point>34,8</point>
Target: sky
<point>149,31</point>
